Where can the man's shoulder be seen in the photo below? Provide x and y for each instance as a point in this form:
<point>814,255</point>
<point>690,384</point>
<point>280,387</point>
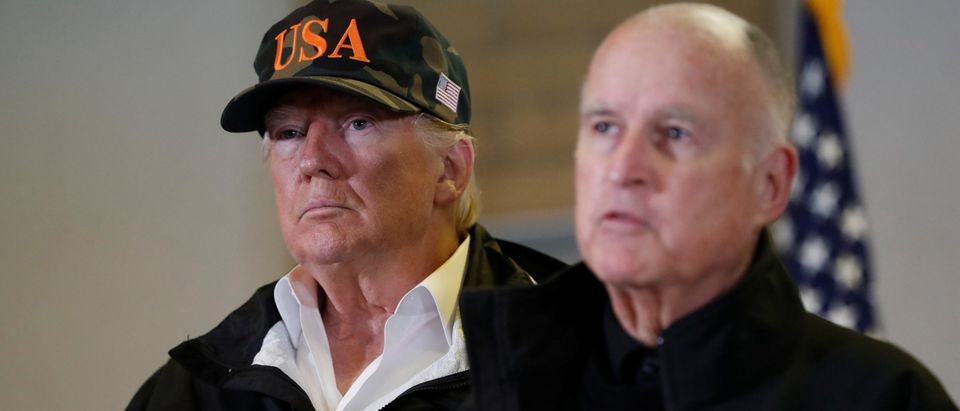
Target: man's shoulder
<point>539,265</point>
<point>531,337</point>
<point>838,360</point>
<point>570,296</point>
<point>175,387</point>
<point>827,341</point>
<point>495,262</point>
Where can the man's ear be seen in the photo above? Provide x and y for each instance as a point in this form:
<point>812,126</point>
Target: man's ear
<point>777,170</point>
<point>457,171</point>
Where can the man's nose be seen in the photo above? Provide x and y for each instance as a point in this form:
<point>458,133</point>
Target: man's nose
<point>319,153</point>
<point>634,162</point>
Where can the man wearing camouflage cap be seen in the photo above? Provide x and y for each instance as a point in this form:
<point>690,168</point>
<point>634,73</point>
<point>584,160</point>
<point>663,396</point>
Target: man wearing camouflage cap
<point>364,110</point>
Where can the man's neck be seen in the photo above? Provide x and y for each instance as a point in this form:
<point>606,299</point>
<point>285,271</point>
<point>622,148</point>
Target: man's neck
<point>645,311</point>
<point>372,284</point>
<point>356,298</point>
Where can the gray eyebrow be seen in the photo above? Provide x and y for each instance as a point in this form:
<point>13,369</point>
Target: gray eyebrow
<point>664,113</point>
<point>595,109</point>
<point>676,112</point>
<point>278,113</point>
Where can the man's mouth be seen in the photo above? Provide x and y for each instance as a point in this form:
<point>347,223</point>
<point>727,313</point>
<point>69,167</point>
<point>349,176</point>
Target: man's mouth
<point>321,208</point>
<point>624,220</point>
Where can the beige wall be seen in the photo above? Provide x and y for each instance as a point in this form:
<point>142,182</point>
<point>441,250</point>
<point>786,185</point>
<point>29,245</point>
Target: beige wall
<point>902,102</point>
<point>128,220</point>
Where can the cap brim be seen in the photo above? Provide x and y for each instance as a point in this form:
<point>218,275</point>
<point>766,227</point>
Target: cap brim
<point>245,111</point>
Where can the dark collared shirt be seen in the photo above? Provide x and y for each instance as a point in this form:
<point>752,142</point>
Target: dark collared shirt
<point>621,373</point>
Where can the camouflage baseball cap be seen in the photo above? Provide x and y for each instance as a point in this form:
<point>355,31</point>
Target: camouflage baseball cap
<point>388,53</point>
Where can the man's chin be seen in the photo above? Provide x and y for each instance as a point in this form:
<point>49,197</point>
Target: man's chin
<point>322,253</point>
<point>621,271</point>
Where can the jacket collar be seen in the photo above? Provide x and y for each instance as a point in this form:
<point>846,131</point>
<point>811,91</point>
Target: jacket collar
<point>523,339</point>
<point>233,343</point>
<point>737,340</point>
<point>216,357</point>
<point>494,262</point>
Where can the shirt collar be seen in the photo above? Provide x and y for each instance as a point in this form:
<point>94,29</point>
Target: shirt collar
<point>629,361</point>
<point>294,290</point>
<point>444,286</point>
<point>297,289</point>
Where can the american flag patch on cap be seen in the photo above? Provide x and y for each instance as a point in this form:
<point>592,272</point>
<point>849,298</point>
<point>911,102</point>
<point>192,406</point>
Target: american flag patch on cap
<point>448,92</point>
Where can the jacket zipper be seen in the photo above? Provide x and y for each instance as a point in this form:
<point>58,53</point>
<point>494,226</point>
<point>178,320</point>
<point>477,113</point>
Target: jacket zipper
<point>452,381</point>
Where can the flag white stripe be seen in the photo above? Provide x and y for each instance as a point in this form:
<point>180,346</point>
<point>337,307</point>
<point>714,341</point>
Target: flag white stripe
<point>448,92</point>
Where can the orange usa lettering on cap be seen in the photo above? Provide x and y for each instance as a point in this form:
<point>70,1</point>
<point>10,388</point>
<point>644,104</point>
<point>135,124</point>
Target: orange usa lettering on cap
<point>310,38</point>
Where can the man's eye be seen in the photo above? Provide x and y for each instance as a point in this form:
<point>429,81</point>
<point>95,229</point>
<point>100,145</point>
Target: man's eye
<point>287,134</point>
<point>603,127</point>
<point>676,133</point>
<point>360,124</point>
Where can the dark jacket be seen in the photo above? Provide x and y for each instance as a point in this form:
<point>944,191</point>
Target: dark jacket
<point>214,371</point>
<point>752,348</point>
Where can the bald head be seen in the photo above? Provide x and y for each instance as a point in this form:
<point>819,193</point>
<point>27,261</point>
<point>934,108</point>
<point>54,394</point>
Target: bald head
<point>726,37</point>
<point>681,155</point>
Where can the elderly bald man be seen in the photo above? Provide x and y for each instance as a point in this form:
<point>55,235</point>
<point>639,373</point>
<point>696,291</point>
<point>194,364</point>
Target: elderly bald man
<point>364,110</point>
<point>681,162</point>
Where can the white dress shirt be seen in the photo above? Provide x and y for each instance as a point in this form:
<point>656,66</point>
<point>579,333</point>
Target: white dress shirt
<point>422,340</point>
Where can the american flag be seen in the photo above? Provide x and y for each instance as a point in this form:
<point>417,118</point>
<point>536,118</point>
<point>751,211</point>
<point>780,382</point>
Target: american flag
<point>823,235</point>
<point>448,92</point>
